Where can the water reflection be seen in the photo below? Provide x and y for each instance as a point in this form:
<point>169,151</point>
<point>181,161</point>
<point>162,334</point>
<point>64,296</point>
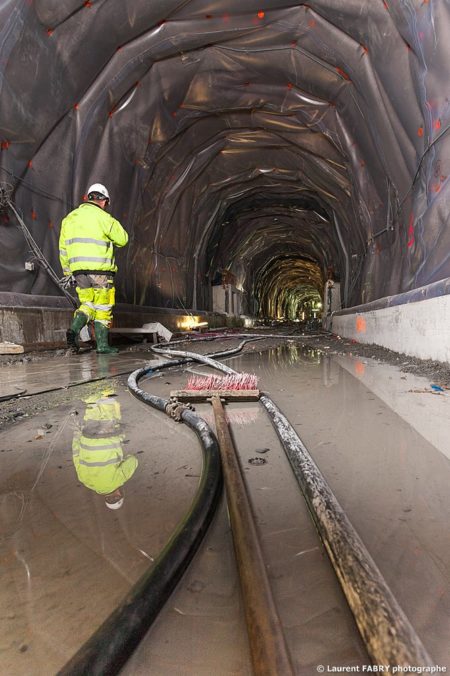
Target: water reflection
<point>291,354</point>
<point>244,414</point>
<point>330,371</point>
<point>12,509</point>
<point>97,450</point>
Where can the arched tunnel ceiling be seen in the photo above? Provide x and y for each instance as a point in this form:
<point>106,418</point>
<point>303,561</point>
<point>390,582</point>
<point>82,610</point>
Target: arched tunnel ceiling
<point>281,141</point>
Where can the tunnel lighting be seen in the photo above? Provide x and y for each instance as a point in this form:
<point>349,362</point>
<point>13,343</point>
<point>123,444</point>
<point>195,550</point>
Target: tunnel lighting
<point>190,322</point>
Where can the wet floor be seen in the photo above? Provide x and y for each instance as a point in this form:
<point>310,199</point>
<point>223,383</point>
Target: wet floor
<point>68,559</point>
<point>47,375</point>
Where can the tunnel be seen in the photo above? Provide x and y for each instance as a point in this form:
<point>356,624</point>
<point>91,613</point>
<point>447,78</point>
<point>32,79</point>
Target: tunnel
<point>281,171</point>
<point>276,146</point>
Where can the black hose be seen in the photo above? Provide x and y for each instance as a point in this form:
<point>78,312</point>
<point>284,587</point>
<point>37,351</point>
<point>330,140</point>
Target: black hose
<point>114,641</point>
<point>192,355</point>
<point>386,631</point>
<point>107,650</point>
<point>250,336</point>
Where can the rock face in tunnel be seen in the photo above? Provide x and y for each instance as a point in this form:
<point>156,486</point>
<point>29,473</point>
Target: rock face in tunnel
<point>231,135</point>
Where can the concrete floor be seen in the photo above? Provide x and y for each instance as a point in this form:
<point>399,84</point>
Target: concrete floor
<point>68,560</point>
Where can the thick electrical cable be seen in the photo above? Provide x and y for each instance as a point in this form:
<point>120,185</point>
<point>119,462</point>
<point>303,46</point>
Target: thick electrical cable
<point>112,644</point>
<point>386,631</point>
<point>40,256</point>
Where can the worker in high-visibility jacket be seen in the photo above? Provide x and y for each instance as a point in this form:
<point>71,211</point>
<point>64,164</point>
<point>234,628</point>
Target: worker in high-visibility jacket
<point>97,451</point>
<point>86,251</point>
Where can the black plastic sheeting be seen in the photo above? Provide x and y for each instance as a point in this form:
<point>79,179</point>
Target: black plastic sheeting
<point>283,142</point>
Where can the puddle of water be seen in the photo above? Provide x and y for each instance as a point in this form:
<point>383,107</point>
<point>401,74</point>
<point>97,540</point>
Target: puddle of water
<point>392,482</point>
<point>201,630</point>
<point>67,558</point>
<point>56,373</point>
<point>410,396</point>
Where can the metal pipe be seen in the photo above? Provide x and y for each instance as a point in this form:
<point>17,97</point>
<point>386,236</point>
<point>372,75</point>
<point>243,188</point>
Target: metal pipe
<point>268,648</point>
<point>389,637</point>
<point>347,262</point>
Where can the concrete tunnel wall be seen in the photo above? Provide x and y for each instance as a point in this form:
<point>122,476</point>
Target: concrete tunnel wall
<point>282,143</point>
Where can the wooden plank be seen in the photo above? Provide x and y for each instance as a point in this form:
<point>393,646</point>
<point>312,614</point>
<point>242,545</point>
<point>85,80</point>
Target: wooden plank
<point>10,348</point>
<point>135,330</point>
<point>205,395</point>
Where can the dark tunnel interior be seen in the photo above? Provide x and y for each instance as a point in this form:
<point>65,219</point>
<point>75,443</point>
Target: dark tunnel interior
<point>272,162</point>
<point>273,144</point>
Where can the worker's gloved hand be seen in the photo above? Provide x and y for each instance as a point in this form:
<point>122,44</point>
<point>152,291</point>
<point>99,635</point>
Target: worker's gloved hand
<point>68,281</point>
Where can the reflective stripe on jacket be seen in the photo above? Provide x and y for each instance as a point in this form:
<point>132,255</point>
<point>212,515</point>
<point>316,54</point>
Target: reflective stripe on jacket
<point>87,239</point>
<point>99,463</point>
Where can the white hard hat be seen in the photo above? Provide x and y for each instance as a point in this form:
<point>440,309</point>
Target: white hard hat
<point>99,189</point>
<point>114,505</point>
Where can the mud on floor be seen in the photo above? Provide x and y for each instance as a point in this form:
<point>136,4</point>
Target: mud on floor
<point>435,372</point>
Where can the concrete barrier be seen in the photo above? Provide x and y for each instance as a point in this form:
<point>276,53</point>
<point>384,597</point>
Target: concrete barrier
<point>40,322</point>
<point>418,328</point>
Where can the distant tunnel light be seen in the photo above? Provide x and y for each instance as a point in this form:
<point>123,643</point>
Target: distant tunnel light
<point>189,322</point>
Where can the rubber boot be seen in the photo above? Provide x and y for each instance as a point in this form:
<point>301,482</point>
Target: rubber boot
<point>72,334</point>
<point>101,336</point>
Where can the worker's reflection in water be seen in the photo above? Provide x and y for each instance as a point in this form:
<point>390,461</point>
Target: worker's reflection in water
<point>97,449</point>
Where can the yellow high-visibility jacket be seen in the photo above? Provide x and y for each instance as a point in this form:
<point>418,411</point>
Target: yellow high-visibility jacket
<point>100,464</point>
<point>97,447</point>
<point>87,239</point>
